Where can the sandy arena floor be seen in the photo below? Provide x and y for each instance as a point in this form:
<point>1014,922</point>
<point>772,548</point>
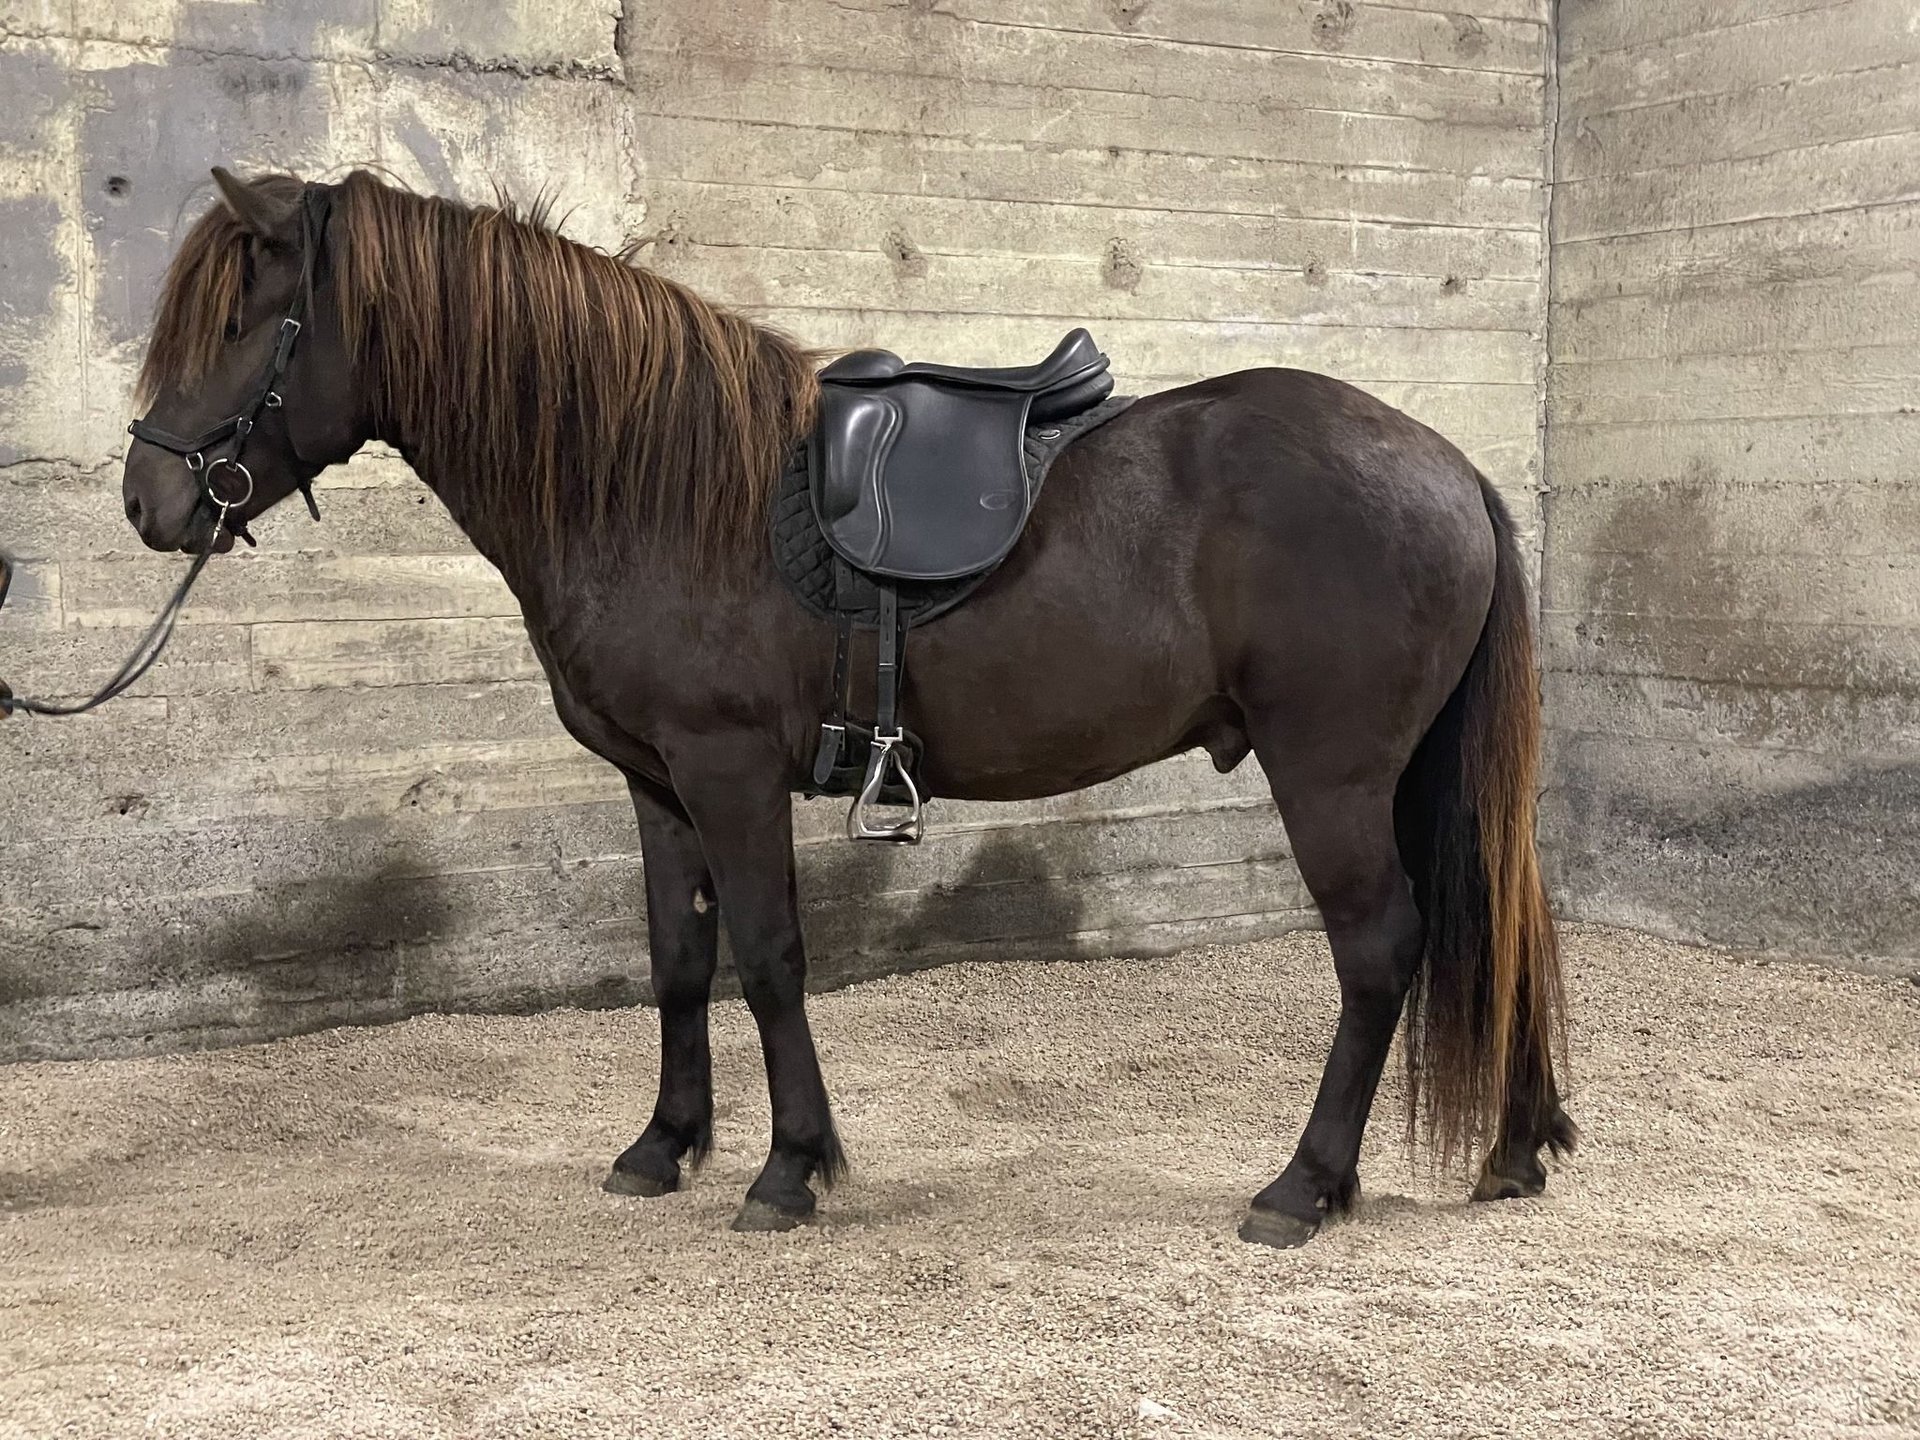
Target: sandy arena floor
<point>399,1232</point>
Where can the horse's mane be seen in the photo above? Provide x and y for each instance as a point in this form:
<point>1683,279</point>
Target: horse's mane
<point>569,389</point>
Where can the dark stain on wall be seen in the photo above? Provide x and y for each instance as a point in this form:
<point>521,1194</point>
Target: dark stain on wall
<point>36,86</point>
<point>1821,868</point>
<point>1725,842</point>
<point>159,128</point>
<point>32,269</point>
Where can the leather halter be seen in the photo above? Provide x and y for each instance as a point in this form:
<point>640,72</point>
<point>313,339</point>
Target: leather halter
<point>316,204</point>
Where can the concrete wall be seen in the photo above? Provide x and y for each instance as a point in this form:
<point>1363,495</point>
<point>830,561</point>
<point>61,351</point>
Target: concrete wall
<point>344,796</point>
<point>1732,595</point>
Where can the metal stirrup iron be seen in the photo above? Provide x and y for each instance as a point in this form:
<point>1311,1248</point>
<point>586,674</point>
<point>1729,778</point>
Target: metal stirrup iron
<point>888,741</point>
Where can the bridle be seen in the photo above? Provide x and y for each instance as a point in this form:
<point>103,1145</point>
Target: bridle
<point>316,205</point>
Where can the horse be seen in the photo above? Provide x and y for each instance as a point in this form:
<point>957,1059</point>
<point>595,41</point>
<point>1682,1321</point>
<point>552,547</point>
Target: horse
<point>1270,562</point>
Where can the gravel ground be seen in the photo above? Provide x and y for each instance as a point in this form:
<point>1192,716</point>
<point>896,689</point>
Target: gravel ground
<point>399,1232</point>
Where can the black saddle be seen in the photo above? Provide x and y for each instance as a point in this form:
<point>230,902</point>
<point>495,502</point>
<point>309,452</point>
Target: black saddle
<point>913,487</point>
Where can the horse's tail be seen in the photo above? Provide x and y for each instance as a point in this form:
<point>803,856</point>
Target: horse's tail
<point>1485,1012</point>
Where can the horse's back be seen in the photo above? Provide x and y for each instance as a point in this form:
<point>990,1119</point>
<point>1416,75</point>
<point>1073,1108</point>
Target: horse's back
<point>1278,480</point>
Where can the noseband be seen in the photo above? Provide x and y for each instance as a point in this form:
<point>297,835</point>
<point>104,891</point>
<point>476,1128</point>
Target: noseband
<point>316,204</point>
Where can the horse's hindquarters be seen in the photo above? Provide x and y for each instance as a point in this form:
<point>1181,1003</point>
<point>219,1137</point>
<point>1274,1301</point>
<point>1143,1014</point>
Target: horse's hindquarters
<point>1271,542</point>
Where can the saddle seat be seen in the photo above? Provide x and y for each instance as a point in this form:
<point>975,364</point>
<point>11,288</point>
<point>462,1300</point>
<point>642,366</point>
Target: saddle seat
<point>1074,358</point>
<point>918,472</point>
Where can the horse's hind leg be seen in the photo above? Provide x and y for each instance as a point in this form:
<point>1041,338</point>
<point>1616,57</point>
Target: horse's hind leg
<point>1534,1121</point>
<point>1343,842</point>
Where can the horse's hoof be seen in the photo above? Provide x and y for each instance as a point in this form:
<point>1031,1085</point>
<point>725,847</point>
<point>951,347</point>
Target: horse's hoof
<point>1270,1227</point>
<point>758,1217</point>
<point>632,1182</point>
<point>1495,1186</point>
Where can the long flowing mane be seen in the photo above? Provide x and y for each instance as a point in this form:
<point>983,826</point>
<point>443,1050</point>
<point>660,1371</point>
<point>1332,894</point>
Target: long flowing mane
<point>568,388</point>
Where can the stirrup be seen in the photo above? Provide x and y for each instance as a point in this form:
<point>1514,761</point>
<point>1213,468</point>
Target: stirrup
<point>885,753</point>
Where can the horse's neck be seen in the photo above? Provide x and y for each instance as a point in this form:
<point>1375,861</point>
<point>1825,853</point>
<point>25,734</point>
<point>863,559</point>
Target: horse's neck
<point>551,585</point>
<point>522,564</point>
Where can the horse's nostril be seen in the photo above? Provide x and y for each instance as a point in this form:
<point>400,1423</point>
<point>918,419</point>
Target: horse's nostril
<point>133,509</point>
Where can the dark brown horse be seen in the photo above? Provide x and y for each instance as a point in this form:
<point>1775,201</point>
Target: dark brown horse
<point>1270,561</point>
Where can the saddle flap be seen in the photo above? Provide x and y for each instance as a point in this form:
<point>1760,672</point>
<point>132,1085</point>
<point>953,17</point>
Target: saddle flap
<point>857,431</point>
<point>920,481</point>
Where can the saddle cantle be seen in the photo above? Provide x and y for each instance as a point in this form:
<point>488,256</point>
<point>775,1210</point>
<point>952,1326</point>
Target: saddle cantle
<point>914,485</point>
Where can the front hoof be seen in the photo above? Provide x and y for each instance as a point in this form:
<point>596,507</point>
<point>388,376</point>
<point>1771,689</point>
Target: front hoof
<point>758,1217</point>
<point>642,1169</point>
<point>1271,1227</point>
<point>633,1182</point>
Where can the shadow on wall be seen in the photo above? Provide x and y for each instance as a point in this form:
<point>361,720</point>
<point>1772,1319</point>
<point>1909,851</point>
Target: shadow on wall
<point>230,968</point>
<point>871,910</point>
<point>305,957</point>
<point>222,969</point>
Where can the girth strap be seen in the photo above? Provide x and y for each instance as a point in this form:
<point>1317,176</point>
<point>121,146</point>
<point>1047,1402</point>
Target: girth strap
<point>886,706</point>
<point>833,732</point>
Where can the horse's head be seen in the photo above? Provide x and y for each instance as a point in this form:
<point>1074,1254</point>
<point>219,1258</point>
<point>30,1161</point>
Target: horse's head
<point>248,376</point>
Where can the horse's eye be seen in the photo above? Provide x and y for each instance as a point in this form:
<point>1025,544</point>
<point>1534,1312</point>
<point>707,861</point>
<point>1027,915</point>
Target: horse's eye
<point>233,329</point>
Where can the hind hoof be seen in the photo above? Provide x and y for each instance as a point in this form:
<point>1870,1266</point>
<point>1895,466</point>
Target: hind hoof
<point>1270,1227</point>
<point>756,1217</point>
<point>1495,1186</point>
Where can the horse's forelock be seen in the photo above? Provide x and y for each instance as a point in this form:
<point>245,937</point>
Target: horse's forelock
<point>198,296</point>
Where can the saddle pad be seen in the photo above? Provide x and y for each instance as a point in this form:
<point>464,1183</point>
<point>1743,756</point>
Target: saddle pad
<point>807,562</point>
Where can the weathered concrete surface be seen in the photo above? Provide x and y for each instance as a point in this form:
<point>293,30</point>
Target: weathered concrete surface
<point>1732,598</point>
<point>344,795</point>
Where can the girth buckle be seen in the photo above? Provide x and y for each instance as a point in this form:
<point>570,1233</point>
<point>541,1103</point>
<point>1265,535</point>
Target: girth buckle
<point>885,755</point>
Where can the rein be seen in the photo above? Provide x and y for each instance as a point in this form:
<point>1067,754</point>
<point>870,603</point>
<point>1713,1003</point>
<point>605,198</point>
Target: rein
<point>316,203</point>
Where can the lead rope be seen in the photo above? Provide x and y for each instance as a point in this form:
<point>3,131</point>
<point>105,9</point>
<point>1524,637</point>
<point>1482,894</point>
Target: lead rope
<point>138,663</point>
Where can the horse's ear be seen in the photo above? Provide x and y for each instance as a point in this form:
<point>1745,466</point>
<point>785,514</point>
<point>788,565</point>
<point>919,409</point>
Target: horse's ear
<point>270,217</point>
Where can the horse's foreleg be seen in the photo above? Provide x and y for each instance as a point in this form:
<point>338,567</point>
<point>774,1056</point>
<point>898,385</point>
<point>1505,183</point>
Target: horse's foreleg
<point>738,801</point>
<point>1343,842</point>
<point>683,939</point>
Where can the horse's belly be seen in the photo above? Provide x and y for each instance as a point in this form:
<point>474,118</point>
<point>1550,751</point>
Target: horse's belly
<point>1015,711</point>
